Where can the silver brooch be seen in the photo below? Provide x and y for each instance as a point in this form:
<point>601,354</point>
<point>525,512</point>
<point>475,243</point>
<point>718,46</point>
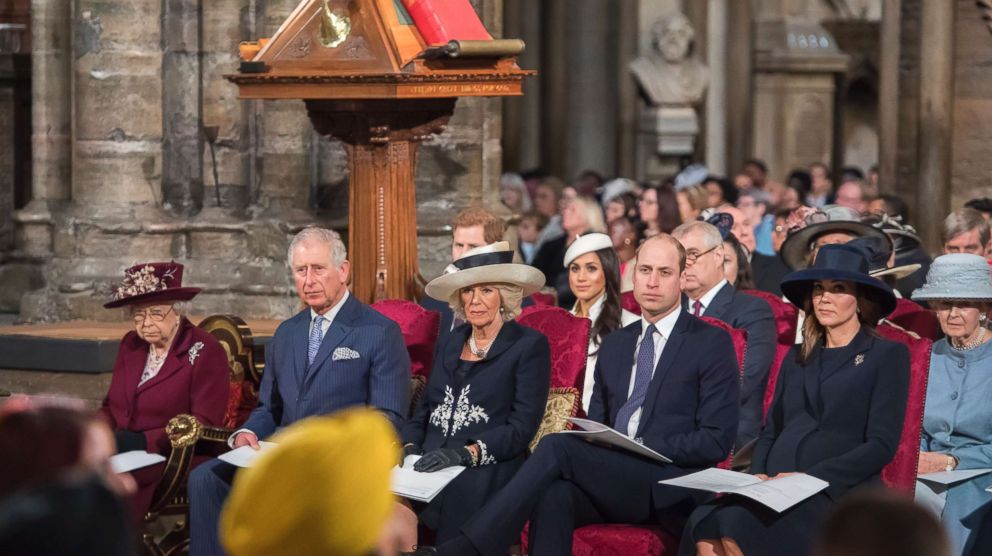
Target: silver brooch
<point>859,359</point>
<point>194,352</point>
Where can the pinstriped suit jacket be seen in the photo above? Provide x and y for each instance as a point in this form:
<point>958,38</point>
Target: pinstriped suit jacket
<point>378,377</point>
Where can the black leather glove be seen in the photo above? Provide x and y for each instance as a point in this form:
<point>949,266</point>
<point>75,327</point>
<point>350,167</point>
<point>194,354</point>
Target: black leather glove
<point>128,441</point>
<point>409,450</point>
<point>442,458</point>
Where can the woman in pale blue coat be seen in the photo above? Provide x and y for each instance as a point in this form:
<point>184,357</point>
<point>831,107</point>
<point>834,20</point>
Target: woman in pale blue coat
<point>957,422</point>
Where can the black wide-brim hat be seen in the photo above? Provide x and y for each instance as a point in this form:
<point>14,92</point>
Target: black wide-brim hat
<point>151,283</point>
<point>831,219</point>
<point>838,262</point>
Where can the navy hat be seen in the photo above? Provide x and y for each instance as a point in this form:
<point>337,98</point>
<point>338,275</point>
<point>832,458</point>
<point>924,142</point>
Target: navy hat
<point>724,223</point>
<point>878,252</point>
<point>840,262</point>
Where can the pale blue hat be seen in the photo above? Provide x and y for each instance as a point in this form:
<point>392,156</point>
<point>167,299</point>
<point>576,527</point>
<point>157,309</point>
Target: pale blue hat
<point>957,276</point>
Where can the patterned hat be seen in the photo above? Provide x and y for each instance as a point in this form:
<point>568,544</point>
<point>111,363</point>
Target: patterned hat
<point>151,282</point>
<point>814,223</point>
<point>491,263</point>
<point>957,276</point>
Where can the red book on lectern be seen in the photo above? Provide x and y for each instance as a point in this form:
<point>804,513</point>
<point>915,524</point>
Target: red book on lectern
<point>440,21</point>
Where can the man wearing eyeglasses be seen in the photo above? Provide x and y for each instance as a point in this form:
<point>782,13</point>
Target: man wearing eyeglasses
<point>707,293</point>
<point>769,270</point>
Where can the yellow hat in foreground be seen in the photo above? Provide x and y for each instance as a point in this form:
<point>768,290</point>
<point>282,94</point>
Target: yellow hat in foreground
<point>323,490</point>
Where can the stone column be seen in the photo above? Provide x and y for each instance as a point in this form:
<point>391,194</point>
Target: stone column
<point>739,103</point>
<point>888,96</point>
<point>522,115</point>
<point>716,95</point>
<point>182,137</point>
<point>52,125</point>
<point>936,115</point>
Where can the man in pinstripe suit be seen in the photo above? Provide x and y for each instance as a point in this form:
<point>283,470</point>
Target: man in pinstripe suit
<point>336,353</point>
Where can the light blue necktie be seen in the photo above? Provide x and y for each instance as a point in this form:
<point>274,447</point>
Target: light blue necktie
<point>316,335</point>
<point>642,378</point>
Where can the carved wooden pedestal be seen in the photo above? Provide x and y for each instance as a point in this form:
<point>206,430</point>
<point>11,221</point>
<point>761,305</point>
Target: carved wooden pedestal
<point>381,139</point>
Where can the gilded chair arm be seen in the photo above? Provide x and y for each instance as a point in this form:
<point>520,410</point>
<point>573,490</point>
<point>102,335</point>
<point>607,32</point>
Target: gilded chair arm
<point>184,432</point>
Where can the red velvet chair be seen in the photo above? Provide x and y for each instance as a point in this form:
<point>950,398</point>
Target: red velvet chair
<point>916,318</point>
<point>628,302</point>
<point>900,473</point>
<point>420,329</point>
<point>543,299</point>
<point>786,322</point>
<point>568,337</point>
<point>608,539</point>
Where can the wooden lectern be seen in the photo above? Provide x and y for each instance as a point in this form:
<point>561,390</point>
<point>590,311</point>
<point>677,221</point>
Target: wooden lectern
<point>369,79</point>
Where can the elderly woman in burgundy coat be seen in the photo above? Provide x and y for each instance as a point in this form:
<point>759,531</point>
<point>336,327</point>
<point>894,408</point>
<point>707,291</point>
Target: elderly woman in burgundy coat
<point>164,367</point>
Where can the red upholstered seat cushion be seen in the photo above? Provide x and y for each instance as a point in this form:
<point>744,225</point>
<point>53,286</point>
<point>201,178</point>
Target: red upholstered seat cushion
<point>609,539</point>
<point>738,335</point>
<point>241,401</point>
<point>420,329</point>
<point>786,322</point>
<point>568,337</point>
<point>544,299</point>
<point>915,318</point>
<point>900,473</point>
<point>628,302</point>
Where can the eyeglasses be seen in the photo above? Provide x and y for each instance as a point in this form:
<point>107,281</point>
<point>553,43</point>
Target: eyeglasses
<point>691,256</point>
<point>155,315</point>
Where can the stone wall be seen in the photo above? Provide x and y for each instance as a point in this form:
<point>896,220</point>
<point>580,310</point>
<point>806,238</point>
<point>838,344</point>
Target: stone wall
<point>148,101</point>
<point>971,165</point>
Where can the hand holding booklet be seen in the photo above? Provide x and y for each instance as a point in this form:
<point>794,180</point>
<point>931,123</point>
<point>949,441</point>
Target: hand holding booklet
<point>245,456</point>
<point>422,487</point>
<point>777,494</point>
<point>602,434</point>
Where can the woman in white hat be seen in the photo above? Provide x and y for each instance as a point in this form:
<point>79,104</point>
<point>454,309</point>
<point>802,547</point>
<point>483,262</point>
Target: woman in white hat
<point>957,422</point>
<point>594,278</point>
<point>487,391</point>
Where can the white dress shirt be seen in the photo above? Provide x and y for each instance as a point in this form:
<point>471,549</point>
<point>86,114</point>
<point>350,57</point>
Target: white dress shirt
<point>324,326</point>
<point>596,309</point>
<point>663,331</point>
<point>707,298</point>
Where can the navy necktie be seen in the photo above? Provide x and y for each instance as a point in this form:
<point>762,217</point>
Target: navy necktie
<point>642,378</point>
<point>316,335</point>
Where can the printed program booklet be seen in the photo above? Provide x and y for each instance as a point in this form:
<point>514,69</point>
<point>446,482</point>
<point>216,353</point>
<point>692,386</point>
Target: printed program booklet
<point>777,494</point>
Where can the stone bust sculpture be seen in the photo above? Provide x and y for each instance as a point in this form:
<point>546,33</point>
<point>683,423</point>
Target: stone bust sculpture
<point>671,75</point>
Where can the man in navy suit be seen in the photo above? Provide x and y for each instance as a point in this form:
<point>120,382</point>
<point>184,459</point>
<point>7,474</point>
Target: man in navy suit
<point>336,353</point>
<point>668,380</point>
<point>709,294</point>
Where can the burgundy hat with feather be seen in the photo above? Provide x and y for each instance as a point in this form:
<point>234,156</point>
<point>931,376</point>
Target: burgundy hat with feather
<point>151,283</point>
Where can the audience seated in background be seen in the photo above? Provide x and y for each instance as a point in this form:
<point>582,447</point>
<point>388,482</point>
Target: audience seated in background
<point>821,189</point>
<point>528,232</point>
<point>166,366</point>
<point>486,394</point>
<point>851,194</point>
<point>658,209</point>
<point>547,198</point>
<point>967,231</point>
<point>880,523</point>
<point>892,205</point>
<point>334,354</point>
<point>324,489</point>
<point>755,205</point>
<point>982,205</point>
<point>708,293</point>
<point>513,193</point>
<point>768,270</point>
<point>957,422</point>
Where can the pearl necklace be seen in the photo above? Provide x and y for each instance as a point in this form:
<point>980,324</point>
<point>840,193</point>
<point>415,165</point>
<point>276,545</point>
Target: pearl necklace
<point>974,343</point>
<point>476,350</point>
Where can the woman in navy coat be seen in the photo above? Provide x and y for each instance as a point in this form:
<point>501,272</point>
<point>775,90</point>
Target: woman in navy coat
<point>488,388</point>
<point>837,415</point>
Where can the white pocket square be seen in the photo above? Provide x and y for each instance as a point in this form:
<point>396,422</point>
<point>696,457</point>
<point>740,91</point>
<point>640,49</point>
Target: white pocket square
<point>344,353</point>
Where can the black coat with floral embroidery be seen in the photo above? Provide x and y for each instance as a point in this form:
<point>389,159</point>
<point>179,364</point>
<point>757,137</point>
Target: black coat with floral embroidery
<point>497,402</point>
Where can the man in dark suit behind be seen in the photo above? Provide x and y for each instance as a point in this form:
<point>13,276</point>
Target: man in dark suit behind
<point>472,227</point>
<point>769,270</point>
<point>709,294</point>
<point>668,380</point>
<point>336,353</point>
